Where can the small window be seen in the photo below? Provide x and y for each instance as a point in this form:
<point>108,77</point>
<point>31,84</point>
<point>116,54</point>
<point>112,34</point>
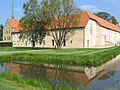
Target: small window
<point>5,38</point>
<point>53,44</point>
<point>71,41</point>
<point>43,42</point>
<point>105,38</point>
<point>91,28</point>
<point>87,43</point>
<point>64,42</point>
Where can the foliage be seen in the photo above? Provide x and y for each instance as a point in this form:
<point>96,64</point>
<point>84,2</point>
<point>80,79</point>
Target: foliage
<point>31,27</point>
<point>61,16</point>
<point>5,44</point>
<point>1,32</point>
<point>108,17</point>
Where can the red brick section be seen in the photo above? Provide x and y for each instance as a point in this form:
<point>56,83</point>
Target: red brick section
<point>85,16</point>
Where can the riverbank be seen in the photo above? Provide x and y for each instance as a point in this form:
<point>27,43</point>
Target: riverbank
<point>83,56</point>
<point>9,81</point>
<point>13,82</point>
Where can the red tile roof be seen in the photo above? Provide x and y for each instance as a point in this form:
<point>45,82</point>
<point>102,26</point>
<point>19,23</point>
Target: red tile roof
<point>16,29</point>
<point>85,16</point>
<point>13,23</point>
<point>102,22</point>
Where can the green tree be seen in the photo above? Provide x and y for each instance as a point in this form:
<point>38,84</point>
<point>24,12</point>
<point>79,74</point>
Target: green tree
<point>1,32</point>
<point>61,16</point>
<point>31,27</point>
<point>108,17</point>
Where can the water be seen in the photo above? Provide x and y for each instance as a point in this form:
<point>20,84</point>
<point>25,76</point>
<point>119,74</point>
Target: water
<point>104,77</point>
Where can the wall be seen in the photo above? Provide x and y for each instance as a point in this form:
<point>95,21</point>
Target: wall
<point>7,30</point>
<point>90,35</point>
<point>72,41</point>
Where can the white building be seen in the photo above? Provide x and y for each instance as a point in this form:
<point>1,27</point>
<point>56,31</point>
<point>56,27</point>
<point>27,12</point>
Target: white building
<point>92,31</point>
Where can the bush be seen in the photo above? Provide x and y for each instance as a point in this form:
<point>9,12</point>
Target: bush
<point>6,44</point>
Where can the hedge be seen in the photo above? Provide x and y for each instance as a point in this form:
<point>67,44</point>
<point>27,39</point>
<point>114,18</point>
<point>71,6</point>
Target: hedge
<point>6,44</point>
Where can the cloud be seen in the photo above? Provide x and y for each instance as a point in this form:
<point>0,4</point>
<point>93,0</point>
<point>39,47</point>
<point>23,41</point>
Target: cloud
<point>90,7</point>
<point>17,9</point>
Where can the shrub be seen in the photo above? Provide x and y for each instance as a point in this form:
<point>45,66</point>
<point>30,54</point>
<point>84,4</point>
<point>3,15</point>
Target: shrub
<point>6,44</point>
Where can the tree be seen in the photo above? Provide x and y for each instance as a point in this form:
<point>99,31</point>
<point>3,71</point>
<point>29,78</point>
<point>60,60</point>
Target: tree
<point>61,16</point>
<point>108,17</point>
<point>32,28</point>
<point>1,32</point>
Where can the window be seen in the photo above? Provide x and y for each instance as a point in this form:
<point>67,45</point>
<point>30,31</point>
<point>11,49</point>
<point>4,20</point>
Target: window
<point>8,38</point>
<point>105,38</point>
<point>53,43</point>
<point>43,42</point>
<point>26,43</point>
<point>64,42</point>
<point>5,38</point>
<point>71,41</point>
<point>87,43</point>
<point>91,28</point>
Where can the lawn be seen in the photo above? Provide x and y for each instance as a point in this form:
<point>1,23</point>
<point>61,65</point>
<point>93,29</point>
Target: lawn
<point>8,49</point>
<point>72,51</point>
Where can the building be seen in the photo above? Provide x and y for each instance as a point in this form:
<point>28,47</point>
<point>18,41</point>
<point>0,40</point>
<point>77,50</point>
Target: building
<point>92,31</point>
<point>9,27</point>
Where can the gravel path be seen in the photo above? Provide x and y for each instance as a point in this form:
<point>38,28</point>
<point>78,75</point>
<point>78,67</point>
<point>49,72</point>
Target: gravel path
<point>15,52</point>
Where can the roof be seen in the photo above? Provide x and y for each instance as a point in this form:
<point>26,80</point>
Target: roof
<point>13,23</point>
<point>16,29</point>
<point>85,16</point>
<point>103,22</point>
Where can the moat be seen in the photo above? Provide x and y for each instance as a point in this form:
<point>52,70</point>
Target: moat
<point>104,77</point>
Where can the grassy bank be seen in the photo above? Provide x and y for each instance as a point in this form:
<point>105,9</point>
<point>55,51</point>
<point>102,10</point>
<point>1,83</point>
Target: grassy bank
<point>67,56</point>
<point>13,82</point>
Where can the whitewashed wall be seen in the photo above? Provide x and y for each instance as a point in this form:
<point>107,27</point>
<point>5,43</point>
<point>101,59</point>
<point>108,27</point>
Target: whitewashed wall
<point>90,36</point>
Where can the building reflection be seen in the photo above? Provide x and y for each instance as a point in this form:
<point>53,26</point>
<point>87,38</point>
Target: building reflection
<point>61,75</point>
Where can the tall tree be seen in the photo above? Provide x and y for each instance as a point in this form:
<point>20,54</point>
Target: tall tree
<point>108,17</point>
<point>32,28</point>
<point>61,16</point>
<point>1,32</point>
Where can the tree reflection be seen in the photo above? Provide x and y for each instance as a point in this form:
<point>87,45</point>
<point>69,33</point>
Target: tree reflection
<point>107,76</point>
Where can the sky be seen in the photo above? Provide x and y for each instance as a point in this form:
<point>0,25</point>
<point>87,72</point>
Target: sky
<point>110,6</point>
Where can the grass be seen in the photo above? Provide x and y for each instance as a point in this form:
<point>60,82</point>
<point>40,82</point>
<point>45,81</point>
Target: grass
<point>82,56</point>
<point>8,49</point>
<point>72,51</point>
<point>13,82</point>
<point>6,87</point>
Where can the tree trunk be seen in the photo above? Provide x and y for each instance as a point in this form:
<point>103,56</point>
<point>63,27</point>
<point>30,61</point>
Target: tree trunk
<point>33,43</point>
<point>59,45</point>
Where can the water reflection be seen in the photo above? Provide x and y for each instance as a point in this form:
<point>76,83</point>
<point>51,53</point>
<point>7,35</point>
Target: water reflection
<point>60,75</point>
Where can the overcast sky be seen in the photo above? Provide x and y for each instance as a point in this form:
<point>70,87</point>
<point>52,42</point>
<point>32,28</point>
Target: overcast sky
<point>93,6</point>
